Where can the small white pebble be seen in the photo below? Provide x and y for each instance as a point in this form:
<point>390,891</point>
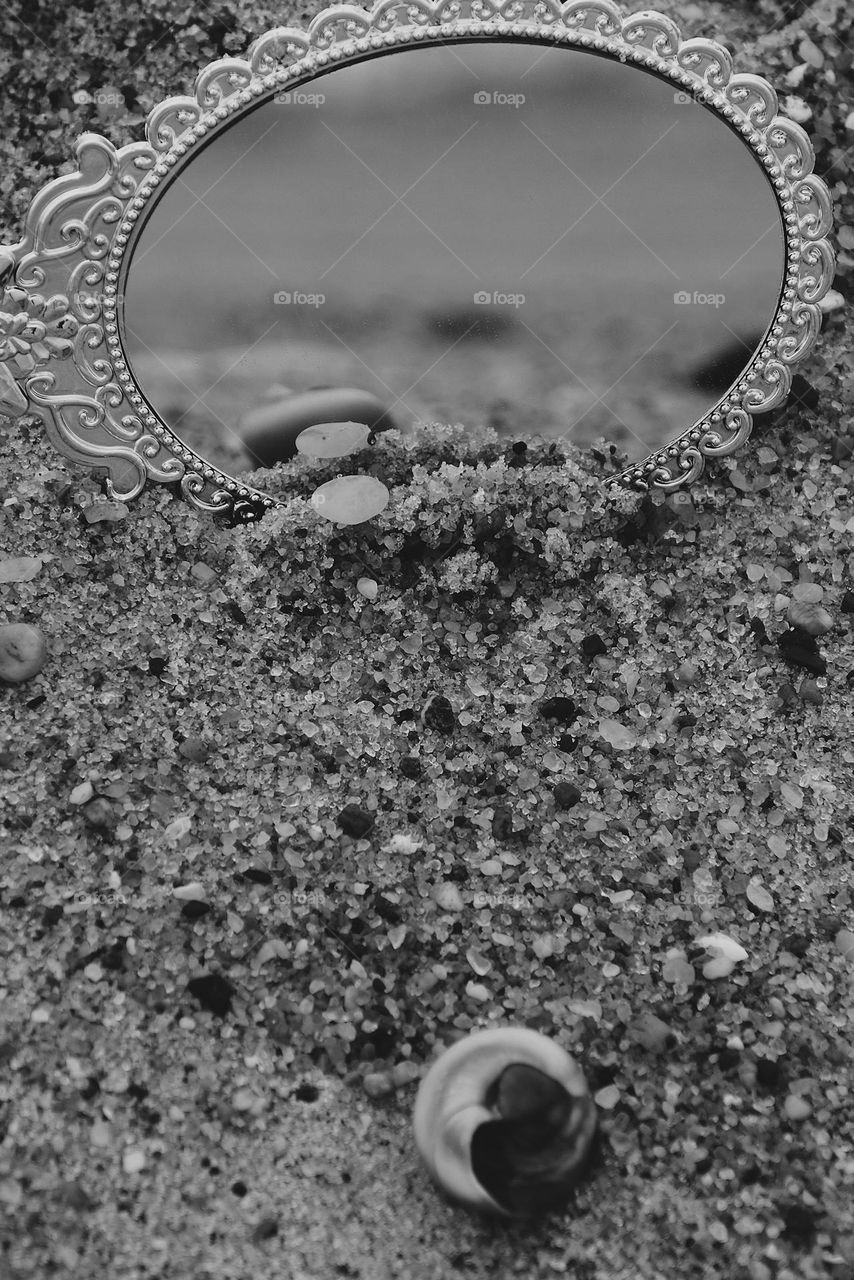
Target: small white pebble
<point>810,617</point>
<point>619,736</point>
<point>110,512</point>
<point>849,120</point>
<point>82,793</point>
<point>797,109</point>
<point>808,592</point>
<point>477,991</point>
<point>23,651</point>
<point>133,1160</point>
<point>377,1084</point>
<point>447,896</point>
<point>797,1108</point>
<point>93,972</point>
<point>607,1098</point>
<point>192,892</point>
<point>368,588</point>
<point>832,301</point>
<point>845,943</point>
<point>759,896</point>
<point>243,1100</point>
<point>203,573</point>
<point>719,967</point>
<point>19,568</point>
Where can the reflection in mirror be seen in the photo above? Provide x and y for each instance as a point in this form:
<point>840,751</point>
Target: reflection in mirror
<point>536,238</point>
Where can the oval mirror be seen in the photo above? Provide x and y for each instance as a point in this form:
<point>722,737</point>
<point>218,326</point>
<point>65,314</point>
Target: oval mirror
<point>575,227</point>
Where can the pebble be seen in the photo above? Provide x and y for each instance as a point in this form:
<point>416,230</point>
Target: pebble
<point>213,992</point>
<point>194,750</point>
<point>355,821</point>
<point>270,431</point>
<point>566,795</point>
<point>110,512</point>
<point>438,714</point>
<point>809,616</point>
<point>676,968</point>
<point>133,1160</point>
<point>593,645</point>
<point>607,1098</point>
<point>99,813</point>
<point>404,1073</point>
<point>350,499</point>
<point>760,897</point>
<point>368,588</point>
<point>559,708</point>
<point>332,439</point>
<point>477,991</point>
<point>808,592</point>
<point>377,1084</point>
<point>447,896</point>
<point>82,793</point>
<point>652,1032</point>
<point>810,692</point>
<point>19,569</point>
<point>844,941</point>
<point>797,1108</point>
<point>848,602</point>
<point>832,301</point>
<point>192,892</point>
<point>617,735</point>
<point>23,652</point>
<point>203,573</point>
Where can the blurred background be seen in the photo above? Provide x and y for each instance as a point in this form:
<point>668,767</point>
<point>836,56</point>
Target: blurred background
<point>535,238</point>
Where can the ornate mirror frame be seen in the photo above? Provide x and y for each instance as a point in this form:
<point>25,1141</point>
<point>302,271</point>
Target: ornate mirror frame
<point>61,314</point>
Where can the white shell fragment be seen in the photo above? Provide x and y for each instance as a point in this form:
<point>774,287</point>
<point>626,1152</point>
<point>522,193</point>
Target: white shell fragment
<point>332,439</point>
<point>726,953</point>
<point>350,499</point>
<point>456,1097</point>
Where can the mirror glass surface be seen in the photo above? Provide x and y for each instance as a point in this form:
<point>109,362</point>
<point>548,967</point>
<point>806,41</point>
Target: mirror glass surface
<point>532,237</point>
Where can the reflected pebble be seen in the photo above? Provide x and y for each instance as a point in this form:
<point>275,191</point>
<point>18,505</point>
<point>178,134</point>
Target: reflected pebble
<point>23,652</point>
<point>350,499</point>
<point>332,439</point>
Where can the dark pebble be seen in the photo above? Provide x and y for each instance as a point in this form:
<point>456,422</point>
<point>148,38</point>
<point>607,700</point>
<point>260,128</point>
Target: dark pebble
<point>194,750</point>
<point>770,1074</point>
<point>566,742</point>
<point>355,821</point>
<point>192,910</point>
<point>213,992</point>
<point>99,813</point>
<point>797,944</point>
<point>306,1092</point>
<point>265,1230</point>
<point>239,1189</point>
<point>157,665</point>
<point>593,645</point>
<point>787,693</point>
<point>502,823</point>
<point>800,1222</point>
<point>438,714</point>
<point>559,708</point>
<point>410,767</point>
<point>566,795</point>
<point>800,649</point>
<point>258,875</point>
<point>847,605</point>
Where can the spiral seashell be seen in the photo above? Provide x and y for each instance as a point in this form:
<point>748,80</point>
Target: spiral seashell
<point>505,1123</point>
